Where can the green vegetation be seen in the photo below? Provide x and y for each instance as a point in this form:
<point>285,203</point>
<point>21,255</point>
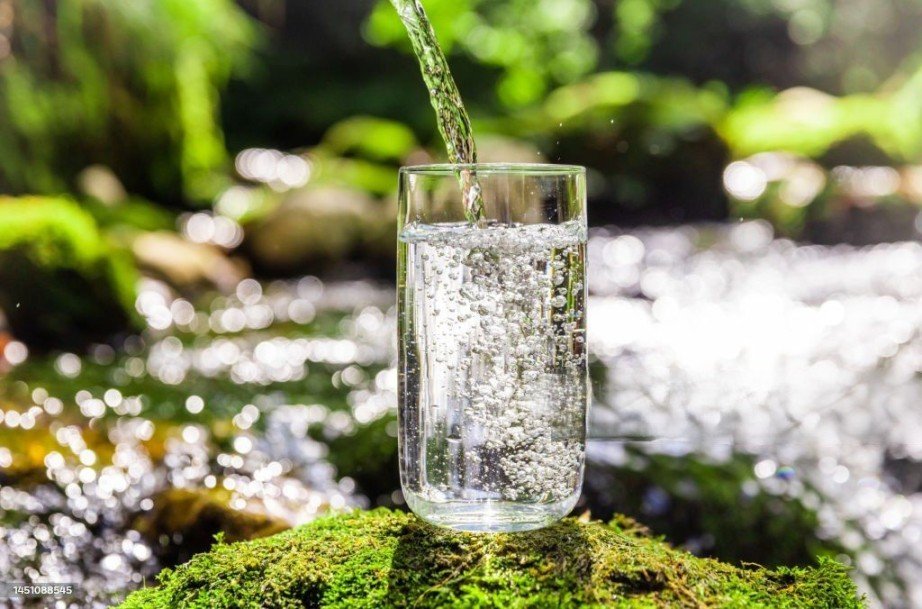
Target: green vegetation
<point>714,507</point>
<point>61,283</point>
<point>808,122</point>
<point>533,44</point>
<point>162,93</point>
<point>391,559</point>
<point>133,86</point>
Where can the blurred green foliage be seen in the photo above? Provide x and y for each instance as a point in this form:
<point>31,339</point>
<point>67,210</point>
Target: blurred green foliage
<point>657,97</point>
<point>671,103</point>
<point>838,46</point>
<point>637,25</point>
<point>131,85</point>
<point>373,137</point>
<point>61,283</point>
<point>665,85</point>
<point>714,508</point>
<point>808,122</point>
<point>129,216</point>
<point>534,43</point>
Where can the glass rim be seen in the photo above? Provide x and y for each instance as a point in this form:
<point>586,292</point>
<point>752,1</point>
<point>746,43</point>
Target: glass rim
<point>527,169</point>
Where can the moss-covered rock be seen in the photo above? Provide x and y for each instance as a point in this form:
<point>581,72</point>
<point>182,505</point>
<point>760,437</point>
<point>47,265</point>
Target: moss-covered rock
<point>195,516</point>
<point>61,284</point>
<point>391,559</point>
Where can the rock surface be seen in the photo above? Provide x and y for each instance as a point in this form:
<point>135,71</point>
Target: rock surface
<point>194,517</point>
<point>62,284</point>
<point>392,559</point>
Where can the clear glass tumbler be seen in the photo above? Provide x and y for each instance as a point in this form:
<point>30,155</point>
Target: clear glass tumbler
<point>493,372</point>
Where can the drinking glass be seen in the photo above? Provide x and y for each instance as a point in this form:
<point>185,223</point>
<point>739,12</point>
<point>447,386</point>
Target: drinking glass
<point>492,367</point>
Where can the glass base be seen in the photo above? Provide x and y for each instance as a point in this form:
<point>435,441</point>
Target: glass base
<point>490,516</point>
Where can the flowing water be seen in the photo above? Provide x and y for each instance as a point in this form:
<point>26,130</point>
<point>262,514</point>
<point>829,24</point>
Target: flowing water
<point>451,116</point>
<point>493,358</point>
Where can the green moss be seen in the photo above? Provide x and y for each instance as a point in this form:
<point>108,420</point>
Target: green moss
<point>391,559</point>
<point>61,283</point>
